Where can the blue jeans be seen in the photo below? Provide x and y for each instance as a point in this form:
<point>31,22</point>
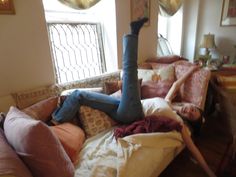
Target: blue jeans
<point>126,110</point>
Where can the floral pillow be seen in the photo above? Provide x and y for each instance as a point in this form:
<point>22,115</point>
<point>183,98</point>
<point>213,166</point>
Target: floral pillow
<point>112,86</point>
<point>145,74</point>
<point>94,121</point>
<point>159,84</point>
<point>163,73</point>
<point>166,73</point>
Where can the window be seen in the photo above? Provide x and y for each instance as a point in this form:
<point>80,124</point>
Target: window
<point>171,29</point>
<point>77,50</point>
<point>76,40</point>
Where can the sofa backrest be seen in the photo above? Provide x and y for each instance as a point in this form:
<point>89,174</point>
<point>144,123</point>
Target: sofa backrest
<point>194,90</point>
<point>29,97</point>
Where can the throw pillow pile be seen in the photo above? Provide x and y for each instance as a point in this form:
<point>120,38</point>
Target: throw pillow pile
<point>36,145</point>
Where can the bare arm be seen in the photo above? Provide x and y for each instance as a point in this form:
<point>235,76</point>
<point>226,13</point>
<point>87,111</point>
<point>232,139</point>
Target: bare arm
<point>195,152</point>
<point>177,84</point>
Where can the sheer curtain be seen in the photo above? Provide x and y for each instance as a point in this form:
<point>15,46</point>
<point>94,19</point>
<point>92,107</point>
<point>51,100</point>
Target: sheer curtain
<point>170,23</point>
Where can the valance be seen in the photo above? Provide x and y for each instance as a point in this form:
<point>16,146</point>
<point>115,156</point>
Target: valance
<point>79,4</point>
<point>169,7</point>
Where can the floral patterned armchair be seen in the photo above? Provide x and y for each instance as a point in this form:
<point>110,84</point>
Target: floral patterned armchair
<point>194,90</point>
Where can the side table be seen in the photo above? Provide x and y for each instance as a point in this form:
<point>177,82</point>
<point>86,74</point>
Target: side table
<point>226,99</point>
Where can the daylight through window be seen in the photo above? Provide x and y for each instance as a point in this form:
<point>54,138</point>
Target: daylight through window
<point>77,50</point>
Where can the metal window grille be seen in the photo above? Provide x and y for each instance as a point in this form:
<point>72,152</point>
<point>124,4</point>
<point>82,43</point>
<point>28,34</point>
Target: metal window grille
<point>77,51</point>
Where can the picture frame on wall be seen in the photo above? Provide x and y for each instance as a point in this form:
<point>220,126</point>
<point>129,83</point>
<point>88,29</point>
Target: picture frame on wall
<point>7,7</point>
<point>140,9</point>
<point>228,14</point>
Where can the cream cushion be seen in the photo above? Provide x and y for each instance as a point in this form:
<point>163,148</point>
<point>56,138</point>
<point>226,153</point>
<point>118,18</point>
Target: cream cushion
<point>162,74</point>
<point>145,74</point>
<point>166,73</point>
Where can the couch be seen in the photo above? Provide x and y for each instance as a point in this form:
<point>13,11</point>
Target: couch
<point>29,146</point>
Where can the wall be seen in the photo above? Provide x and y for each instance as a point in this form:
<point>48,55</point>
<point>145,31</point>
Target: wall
<point>189,33</point>
<point>202,17</point>
<point>148,34</point>
<point>25,56</point>
<point>209,22</point>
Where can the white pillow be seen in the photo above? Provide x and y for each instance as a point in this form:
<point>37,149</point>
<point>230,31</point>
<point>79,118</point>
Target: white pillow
<point>145,74</point>
<point>166,73</point>
<point>159,107</point>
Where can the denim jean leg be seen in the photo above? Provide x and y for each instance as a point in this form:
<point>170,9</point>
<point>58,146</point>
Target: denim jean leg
<point>94,100</point>
<point>68,109</point>
<point>130,108</point>
<point>102,102</point>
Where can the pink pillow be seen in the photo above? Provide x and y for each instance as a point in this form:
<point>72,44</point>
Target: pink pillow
<point>71,137</point>
<point>42,110</point>
<point>37,146</point>
<point>10,163</point>
<point>150,89</point>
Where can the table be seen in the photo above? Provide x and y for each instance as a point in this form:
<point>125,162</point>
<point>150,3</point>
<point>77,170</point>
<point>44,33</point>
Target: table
<point>225,100</point>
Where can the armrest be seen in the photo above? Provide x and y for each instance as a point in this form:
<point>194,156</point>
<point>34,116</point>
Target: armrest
<point>194,90</point>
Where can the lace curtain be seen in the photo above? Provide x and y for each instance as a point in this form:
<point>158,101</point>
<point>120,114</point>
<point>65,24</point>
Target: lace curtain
<point>169,7</point>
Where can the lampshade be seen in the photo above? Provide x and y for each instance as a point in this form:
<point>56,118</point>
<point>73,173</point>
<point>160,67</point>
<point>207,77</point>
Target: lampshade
<point>79,4</point>
<point>208,41</point>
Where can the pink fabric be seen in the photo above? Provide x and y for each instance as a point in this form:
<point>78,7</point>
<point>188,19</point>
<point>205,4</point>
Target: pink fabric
<point>148,125</point>
<point>42,110</point>
<point>10,163</point>
<point>166,59</point>
<point>152,89</point>
<point>158,65</point>
<point>71,137</point>
<point>37,145</point>
<point>194,89</point>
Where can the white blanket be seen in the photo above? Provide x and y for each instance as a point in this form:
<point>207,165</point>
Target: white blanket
<point>136,155</point>
<point>132,156</point>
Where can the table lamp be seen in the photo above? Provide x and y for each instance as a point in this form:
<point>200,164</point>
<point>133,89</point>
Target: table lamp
<point>208,42</point>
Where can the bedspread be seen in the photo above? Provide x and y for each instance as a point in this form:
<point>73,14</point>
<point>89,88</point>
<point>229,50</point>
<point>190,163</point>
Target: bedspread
<point>136,155</point>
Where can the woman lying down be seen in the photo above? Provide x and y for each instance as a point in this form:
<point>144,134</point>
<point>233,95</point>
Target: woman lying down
<point>129,108</point>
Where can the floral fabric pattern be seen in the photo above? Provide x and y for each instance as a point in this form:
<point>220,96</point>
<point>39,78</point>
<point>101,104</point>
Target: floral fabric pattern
<point>94,121</point>
<point>194,90</point>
